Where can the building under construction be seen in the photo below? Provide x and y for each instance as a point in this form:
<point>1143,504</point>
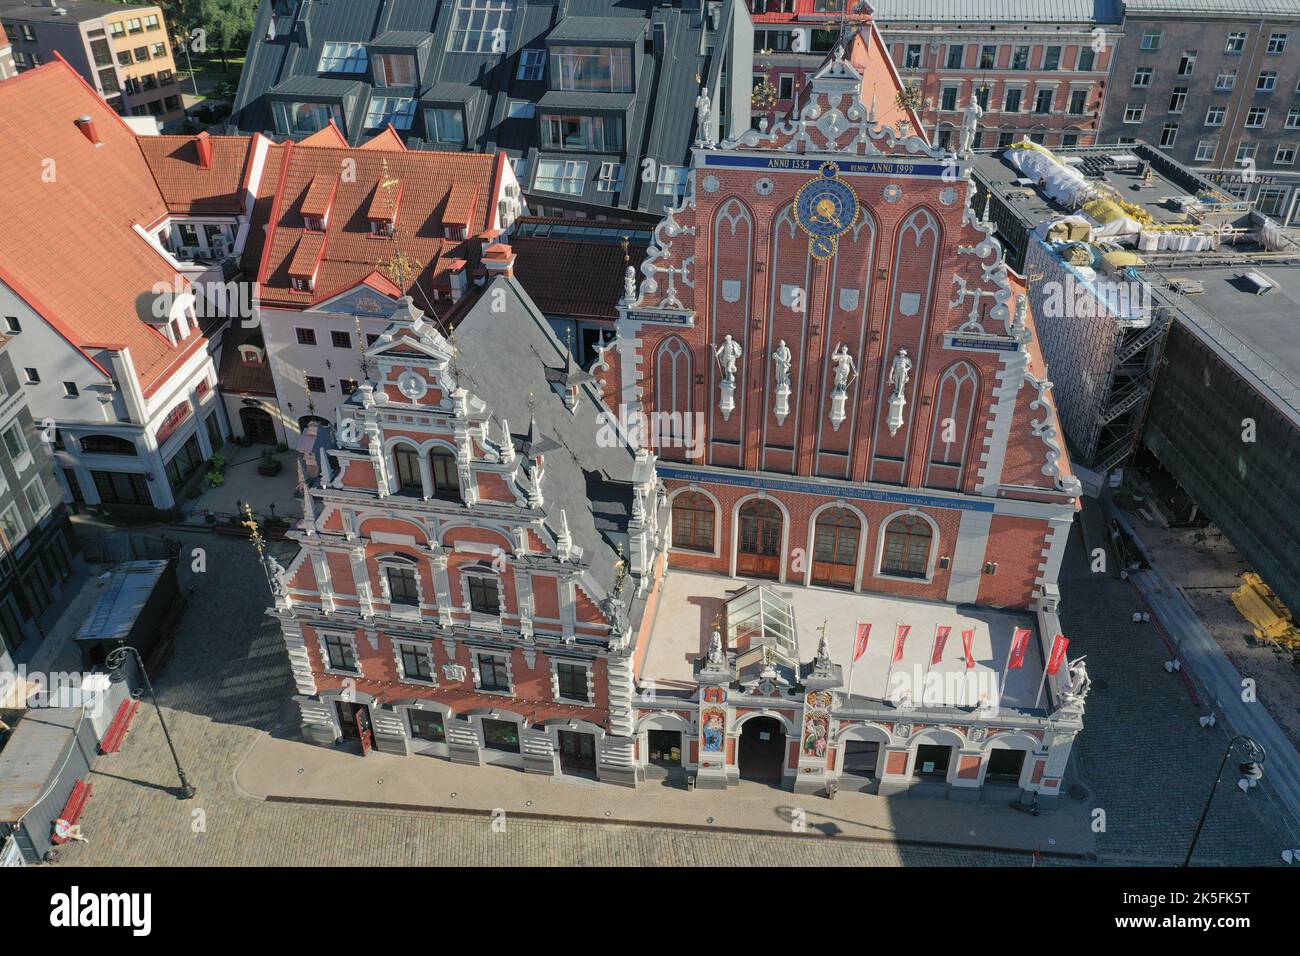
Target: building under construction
<point>1168,312</point>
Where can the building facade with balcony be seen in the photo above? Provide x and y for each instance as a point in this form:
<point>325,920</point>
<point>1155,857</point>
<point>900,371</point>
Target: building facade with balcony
<point>1215,84</point>
<point>123,51</point>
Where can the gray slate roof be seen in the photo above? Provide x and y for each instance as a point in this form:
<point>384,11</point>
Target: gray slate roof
<point>507,359</point>
<point>660,124</point>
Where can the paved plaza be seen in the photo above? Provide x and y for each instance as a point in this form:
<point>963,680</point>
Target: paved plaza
<point>1142,759</point>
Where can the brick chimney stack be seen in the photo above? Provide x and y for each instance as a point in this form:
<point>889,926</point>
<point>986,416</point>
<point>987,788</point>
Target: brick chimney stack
<point>203,142</point>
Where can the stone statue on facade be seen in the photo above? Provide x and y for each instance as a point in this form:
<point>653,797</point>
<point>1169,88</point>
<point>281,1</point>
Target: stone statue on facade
<point>898,372</point>
<point>970,122</point>
<point>703,113</point>
<point>783,360</point>
<point>845,371</point>
<point>727,354</point>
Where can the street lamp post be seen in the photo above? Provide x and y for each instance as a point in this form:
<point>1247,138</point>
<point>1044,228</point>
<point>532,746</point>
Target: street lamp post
<point>1251,769</point>
<point>116,658</point>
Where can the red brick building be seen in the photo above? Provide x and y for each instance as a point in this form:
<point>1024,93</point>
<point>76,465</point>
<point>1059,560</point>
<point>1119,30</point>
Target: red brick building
<point>825,404</point>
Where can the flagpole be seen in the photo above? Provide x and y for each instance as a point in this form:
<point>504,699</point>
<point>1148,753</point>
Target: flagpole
<point>853,655</point>
<point>893,652</point>
<point>1041,684</point>
<point>1006,667</point>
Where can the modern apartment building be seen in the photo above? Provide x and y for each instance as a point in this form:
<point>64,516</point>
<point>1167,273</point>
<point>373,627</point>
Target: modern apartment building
<point>1037,70</point>
<point>1214,83</point>
<point>592,101</point>
<point>121,50</point>
<point>38,552</point>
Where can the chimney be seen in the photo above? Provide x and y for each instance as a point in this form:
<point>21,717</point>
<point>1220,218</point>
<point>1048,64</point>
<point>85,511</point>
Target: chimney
<point>87,127</point>
<point>459,279</point>
<point>203,142</point>
<point>499,259</point>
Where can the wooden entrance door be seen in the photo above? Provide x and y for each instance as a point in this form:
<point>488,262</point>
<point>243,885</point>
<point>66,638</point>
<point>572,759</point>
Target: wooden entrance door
<point>835,548</point>
<point>257,425</point>
<point>577,752</point>
<point>758,551</point>
<point>762,749</point>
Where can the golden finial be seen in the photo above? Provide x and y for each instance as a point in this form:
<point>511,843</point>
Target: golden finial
<point>254,532</point>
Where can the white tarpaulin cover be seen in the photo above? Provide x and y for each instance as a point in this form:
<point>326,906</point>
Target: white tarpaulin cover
<point>1061,182</point>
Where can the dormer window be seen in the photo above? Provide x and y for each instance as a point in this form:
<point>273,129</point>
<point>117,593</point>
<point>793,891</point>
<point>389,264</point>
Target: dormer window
<point>398,110</point>
<point>583,133</point>
<point>481,26</point>
<point>319,202</point>
<point>343,58</point>
<point>594,69</point>
<point>251,355</point>
<point>300,119</point>
<point>395,69</point>
<point>445,125</point>
<point>384,207</point>
<point>383,227</point>
<point>314,223</point>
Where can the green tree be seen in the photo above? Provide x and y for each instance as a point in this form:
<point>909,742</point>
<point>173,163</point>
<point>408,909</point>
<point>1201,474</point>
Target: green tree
<point>226,23</point>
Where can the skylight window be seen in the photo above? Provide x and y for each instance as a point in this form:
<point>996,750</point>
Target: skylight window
<point>482,26</point>
<point>400,111</point>
<point>343,58</point>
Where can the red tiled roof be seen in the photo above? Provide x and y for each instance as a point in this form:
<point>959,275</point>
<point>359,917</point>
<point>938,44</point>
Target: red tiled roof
<point>573,278</point>
<point>320,195</point>
<point>68,246</point>
<point>326,136</point>
<point>189,189</point>
<point>387,140</point>
<point>431,183</point>
<point>307,255</point>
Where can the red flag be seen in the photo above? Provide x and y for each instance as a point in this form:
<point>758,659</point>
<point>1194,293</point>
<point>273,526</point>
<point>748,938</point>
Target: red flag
<point>1058,654</point>
<point>860,643</point>
<point>1019,644</point>
<point>940,639</point>
<point>968,642</point>
<point>900,640</point>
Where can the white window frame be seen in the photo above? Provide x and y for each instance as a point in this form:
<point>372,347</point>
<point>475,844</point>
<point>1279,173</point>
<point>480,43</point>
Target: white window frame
<point>1133,113</point>
<point>1215,115</point>
<point>1225,81</point>
<point>571,172</point>
<point>12,516</point>
<point>1289,160</point>
<point>419,647</point>
<point>1236,42</point>
<point>1169,130</point>
<point>1151,40</point>
<point>1263,117</point>
<point>1293,118</point>
<point>673,181</point>
<point>22,458</point>
<point>382,111</point>
<point>1205,150</point>
<point>44,509</point>
<point>328,664</point>
<point>1246,152</point>
<point>344,56</point>
<point>1276,42</point>
<point>610,177</point>
<point>1145,73</point>
<point>489,15</point>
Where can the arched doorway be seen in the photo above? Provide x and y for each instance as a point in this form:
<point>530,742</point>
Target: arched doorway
<point>257,425</point>
<point>761,754</point>
<point>758,549</point>
<point>835,548</point>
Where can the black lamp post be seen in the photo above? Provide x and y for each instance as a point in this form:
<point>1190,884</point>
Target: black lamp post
<point>1251,769</point>
<point>116,658</point>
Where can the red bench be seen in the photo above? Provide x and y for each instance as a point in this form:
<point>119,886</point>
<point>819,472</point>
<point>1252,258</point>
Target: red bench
<point>74,807</point>
<point>121,723</point>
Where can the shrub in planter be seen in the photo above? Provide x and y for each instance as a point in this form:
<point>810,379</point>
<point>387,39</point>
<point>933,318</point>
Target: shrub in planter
<point>216,478</point>
<point>269,465</point>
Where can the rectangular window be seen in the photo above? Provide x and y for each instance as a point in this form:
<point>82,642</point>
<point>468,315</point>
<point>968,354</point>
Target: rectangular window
<point>306,336</point>
<point>1270,200</point>
<point>932,760</point>
<point>1257,117</point>
<point>1012,104</point>
<point>1225,81</point>
<point>341,340</point>
<point>1151,40</point>
<point>1178,99</point>
<point>988,57</point>
<point>1236,42</point>
<point>398,110</point>
<point>1205,150</point>
<point>347,386</point>
<point>1285,155</point>
<point>595,69</point>
<point>531,64</point>
<point>502,735</point>
<point>340,653</point>
<point>1293,119</point>
<point>571,680</point>
<point>484,596</point>
<point>785,87</point>
<point>956,53</point>
<point>1133,114</point>
<point>1266,82</point>
<point>1214,115</point>
<point>427,725</point>
<point>395,69</point>
<point>948,98</point>
<point>70,389</point>
<point>184,463</point>
<point>1052,58</point>
<point>1087,59</point>
<point>11,523</point>
<point>445,125</point>
<point>37,499</point>
<point>415,662</point>
<point>116,487</point>
<point>912,58</point>
<point>610,179</point>
<point>561,176</point>
<point>12,325</point>
<point>1246,153</point>
<point>481,26</point>
<point>1069,140</point>
<point>305,118</point>
<point>585,133</point>
<point>315,383</point>
<point>1187,63</point>
<point>672,182</point>
<point>14,440</point>
<point>1078,102</point>
<point>343,58</point>
<point>1043,101</point>
<point>493,674</point>
<point>1168,134</point>
<point>1276,42</point>
<point>33,376</point>
<point>402,586</point>
<point>1020,58</point>
<point>1142,77</point>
